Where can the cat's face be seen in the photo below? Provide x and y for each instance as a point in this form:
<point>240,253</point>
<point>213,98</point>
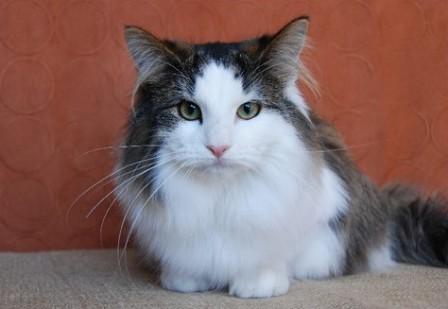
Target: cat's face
<point>222,126</point>
<point>216,109</point>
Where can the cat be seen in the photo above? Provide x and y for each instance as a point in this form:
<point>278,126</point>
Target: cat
<point>230,180</point>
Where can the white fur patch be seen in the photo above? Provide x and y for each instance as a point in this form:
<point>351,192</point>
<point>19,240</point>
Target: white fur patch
<point>293,94</point>
<point>217,87</point>
<point>219,93</point>
<point>264,283</point>
<point>322,252</point>
<point>380,259</point>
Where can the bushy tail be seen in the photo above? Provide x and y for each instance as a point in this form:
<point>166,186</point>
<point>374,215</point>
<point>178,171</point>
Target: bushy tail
<point>420,226</point>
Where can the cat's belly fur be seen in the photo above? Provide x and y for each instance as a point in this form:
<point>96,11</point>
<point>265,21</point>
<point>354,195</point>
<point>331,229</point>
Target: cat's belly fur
<point>216,235</point>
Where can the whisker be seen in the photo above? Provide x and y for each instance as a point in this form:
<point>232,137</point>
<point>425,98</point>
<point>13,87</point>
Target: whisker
<point>128,210</point>
<point>347,147</point>
<point>367,144</point>
<point>111,147</point>
<point>146,168</point>
<point>113,190</point>
<point>108,178</point>
<point>90,188</point>
<point>141,210</point>
<point>124,220</point>
<point>103,220</point>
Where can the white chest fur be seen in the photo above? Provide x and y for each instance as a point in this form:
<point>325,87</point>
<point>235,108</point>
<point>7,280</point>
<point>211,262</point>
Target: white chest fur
<point>216,230</point>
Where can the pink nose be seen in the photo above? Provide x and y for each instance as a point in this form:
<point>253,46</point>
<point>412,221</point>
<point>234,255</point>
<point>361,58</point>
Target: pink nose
<point>217,151</point>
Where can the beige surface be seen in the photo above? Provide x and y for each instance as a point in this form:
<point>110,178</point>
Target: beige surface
<point>91,279</point>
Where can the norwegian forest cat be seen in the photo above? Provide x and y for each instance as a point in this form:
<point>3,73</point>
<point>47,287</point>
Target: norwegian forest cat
<point>231,181</point>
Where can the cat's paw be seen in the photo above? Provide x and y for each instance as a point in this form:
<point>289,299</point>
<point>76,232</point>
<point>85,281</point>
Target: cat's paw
<point>264,284</point>
<point>183,284</point>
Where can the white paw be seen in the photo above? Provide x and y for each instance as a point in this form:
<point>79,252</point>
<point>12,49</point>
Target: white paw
<point>183,284</point>
<point>264,284</point>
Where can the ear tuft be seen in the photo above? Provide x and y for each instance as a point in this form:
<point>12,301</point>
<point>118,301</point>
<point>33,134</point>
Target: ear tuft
<point>147,51</point>
<point>282,53</point>
<point>293,35</point>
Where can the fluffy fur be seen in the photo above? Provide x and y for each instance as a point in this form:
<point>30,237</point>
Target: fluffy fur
<point>283,202</point>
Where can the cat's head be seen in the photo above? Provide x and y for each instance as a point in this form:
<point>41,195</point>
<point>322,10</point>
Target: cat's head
<point>217,108</point>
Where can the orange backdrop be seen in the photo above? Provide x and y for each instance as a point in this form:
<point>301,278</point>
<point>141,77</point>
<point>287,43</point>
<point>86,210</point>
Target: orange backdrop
<point>65,80</point>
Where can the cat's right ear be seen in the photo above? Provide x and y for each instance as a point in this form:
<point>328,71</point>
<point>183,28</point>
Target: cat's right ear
<point>148,52</point>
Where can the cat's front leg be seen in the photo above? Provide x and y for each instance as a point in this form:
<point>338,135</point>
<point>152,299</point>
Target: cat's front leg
<point>266,282</point>
<point>184,283</point>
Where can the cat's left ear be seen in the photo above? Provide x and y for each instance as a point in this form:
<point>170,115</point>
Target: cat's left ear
<point>282,52</point>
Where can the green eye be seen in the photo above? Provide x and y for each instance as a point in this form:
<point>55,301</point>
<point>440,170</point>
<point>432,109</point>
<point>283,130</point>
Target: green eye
<point>189,111</point>
<point>248,110</point>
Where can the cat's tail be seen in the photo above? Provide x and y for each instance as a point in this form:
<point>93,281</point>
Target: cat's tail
<point>420,226</point>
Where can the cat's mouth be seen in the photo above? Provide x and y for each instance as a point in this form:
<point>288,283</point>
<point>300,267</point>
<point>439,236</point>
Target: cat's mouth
<point>220,163</point>
<point>218,166</point>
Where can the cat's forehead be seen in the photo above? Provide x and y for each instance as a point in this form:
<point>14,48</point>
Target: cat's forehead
<point>223,52</point>
<point>234,55</point>
<point>220,85</point>
<point>231,51</point>
<point>220,80</point>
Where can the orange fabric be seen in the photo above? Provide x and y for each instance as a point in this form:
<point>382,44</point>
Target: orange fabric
<point>65,79</point>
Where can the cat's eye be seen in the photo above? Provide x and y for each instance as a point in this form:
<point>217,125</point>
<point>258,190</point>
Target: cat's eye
<point>248,110</point>
<point>189,110</point>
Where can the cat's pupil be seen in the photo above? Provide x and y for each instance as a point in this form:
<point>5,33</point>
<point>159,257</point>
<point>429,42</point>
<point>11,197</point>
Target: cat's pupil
<point>191,109</point>
<point>247,108</point>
